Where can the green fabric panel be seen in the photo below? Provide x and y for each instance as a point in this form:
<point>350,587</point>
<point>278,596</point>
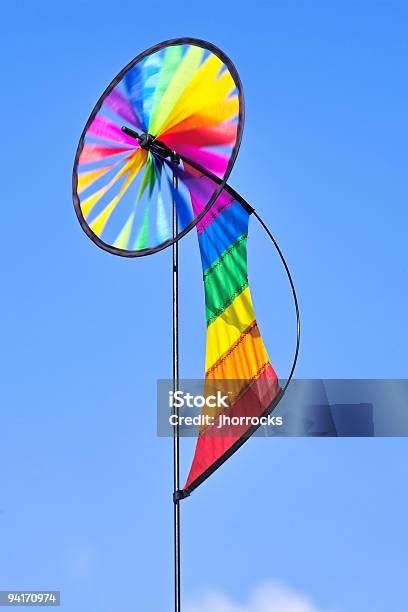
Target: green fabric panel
<point>142,239</point>
<point>226,279</point>
<point>149,178</point>
<point>172,56</point>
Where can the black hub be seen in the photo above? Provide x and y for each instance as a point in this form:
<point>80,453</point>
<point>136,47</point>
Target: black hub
<point>146,141</point>
<point>150,143</point>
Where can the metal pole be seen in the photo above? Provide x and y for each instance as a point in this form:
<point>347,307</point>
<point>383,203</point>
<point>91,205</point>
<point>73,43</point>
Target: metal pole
<point>176,440</point>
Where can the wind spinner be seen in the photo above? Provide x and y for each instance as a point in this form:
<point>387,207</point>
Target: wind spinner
<point>152,163</point>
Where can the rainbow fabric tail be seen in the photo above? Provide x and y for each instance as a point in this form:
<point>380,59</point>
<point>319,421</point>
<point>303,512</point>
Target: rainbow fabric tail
<point>235,353</point>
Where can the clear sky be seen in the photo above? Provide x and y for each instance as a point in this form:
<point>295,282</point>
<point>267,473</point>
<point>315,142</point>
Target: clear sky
<point>85,485</point>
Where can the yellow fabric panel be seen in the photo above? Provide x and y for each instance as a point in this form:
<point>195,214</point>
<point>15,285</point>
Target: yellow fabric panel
<point>205,95</point>
<point>85,179</point>
<point>200,91</point>
<point>239,366</point>
<point>243,360</point>
<point>225,84</point>
<point>182,77</point>
<point>122,241</point>
<point>136,163</point>
<point>98,224</point>
<point>227,328</point>
<point>88,203</point>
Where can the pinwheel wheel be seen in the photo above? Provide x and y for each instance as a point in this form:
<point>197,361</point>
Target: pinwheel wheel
<point>182,95</point>
<point>151,164</point>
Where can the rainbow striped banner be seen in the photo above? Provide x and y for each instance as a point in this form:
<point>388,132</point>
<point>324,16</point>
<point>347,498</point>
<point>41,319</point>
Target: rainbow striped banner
<point>235,351</point>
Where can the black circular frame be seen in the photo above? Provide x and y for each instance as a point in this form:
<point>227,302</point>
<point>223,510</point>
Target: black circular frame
<point>221,182</point>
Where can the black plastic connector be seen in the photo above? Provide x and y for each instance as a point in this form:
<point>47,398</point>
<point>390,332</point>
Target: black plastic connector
<point>178,495</point>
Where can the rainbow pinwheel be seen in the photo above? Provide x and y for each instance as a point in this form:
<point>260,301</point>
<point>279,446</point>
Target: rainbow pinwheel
<point>151,164</point>
<point>185,95</point>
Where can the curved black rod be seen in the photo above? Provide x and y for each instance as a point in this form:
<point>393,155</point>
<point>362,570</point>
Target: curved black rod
<point>233,449</point>
<point>295,300</point>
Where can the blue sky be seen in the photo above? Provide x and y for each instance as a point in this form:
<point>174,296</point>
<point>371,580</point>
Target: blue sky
<point>85,485</point>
